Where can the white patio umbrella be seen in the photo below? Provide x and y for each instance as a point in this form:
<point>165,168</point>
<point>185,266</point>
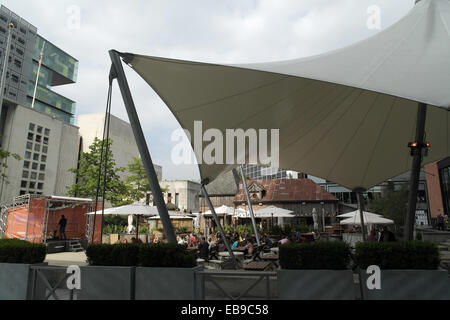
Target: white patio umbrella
<point>223,210</point>
<point>368,219</point>
<point>275,212</point>
<point>357,212</point>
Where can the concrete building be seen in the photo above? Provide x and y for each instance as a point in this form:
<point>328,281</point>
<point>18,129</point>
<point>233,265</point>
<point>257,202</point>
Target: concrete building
<point>44,137</point>
<point>48,147</point>
<point>124,147</point>
<point>184,194</point>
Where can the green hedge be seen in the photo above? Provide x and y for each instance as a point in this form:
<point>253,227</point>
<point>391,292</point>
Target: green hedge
<point>112,255</point>
<point>146,255</point>
<point>315,255</point>
<point>20,251</point>
<point>397,255</point>
<point>166,255</point>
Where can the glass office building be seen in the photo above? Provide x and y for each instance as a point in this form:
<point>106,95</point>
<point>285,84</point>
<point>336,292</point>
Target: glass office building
<point>58,68</point>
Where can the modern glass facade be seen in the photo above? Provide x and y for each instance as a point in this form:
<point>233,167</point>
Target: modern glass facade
<point>58,68</point>
<point>256,172</point>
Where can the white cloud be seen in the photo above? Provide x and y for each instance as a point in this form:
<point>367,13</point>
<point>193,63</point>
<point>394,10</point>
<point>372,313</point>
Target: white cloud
<point>203,30</point>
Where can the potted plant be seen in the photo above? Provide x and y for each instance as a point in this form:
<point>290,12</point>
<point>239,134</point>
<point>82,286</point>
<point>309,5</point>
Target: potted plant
<point>166,271</point>
<point>16,257</point>
<point>317,270</point>
<point>111,271</point>
<point>409,270</point>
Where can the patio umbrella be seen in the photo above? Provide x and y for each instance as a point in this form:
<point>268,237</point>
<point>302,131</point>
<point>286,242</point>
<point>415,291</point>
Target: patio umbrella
<point>223,210</point>
<point>357,212</point>
<point>368,219</point>
<point>345,116</point>
<point>275,212</point>
<point>137,209</point>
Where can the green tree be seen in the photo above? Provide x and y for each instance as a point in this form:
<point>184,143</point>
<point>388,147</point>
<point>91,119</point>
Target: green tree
<point>393,205</point>
<point>4,155</point>
<point>87,175</point>
<point>137,181</point>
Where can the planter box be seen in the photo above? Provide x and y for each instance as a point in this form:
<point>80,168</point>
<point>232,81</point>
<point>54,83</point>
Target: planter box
<point>16,282</point>
<point>113,238</point>
<point>107,283</point>
<point>409,285</point>
<point>316,285</point>
<point>167,283</point>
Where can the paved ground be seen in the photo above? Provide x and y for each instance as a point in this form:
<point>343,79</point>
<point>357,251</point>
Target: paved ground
<point>66,259</point>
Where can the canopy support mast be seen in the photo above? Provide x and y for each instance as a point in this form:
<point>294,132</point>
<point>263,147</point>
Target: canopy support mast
<point>219,226</point>
<point>415,171</point>
<point>361,205</point>
<point>250,207</point>
<point>142,146</point>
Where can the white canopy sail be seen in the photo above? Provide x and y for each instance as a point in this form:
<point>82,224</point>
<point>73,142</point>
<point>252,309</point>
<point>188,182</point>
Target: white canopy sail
<point>345,116</point>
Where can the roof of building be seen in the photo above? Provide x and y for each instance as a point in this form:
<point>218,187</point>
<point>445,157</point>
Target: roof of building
<point>286,190</point>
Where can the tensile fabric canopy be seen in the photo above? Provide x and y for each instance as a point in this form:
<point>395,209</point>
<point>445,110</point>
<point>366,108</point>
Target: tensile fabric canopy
<point>346,116</point>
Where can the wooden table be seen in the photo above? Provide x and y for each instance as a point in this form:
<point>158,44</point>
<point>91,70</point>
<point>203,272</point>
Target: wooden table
<point>276,249</point>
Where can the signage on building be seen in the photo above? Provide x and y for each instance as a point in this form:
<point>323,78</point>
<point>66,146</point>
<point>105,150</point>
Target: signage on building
<point>421,218</point>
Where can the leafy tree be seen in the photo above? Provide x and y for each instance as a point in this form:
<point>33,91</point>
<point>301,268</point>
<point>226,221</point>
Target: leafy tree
<point>4,155</point>
<point>87,175</point>
<point>137,181</point>
<point>393,205</point>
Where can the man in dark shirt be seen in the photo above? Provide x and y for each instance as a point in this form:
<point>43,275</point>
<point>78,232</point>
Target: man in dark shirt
<point>62,227</point>
<point>203,249</point>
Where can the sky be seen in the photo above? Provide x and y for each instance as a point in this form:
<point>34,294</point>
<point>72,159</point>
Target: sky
<point>218,31</point>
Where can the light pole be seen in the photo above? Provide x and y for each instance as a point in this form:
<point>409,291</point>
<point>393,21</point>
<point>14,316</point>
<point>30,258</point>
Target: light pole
<point>5,66</point>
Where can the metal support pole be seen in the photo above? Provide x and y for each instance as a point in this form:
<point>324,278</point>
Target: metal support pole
<point>142,146</point>
<point>361,205</point>
<point>250,208</point>
<point>5,65</point>
<point>219,226</point>
<point>415,172</point>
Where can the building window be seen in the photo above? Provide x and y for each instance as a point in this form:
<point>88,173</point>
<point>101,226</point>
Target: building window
<point>45,140</point>
<point>31,127</point>
<point>36,156</point>
<point>23,184</point>
<point>32,185</point>
<point>29,145</point>
<point>33,175</point>
<point>39,129</point>
<point>35,166</point>
<point>25,174</point>
<point>26,164</point>
<point>44,149</point>
<point>22,192</point>
<point>27,155</point>
<point>43,158</point>
<point>47,131</point>
<point>38,138</point>
<point>42,168</point>
<point>30,136</point>
<point>41,177</point>
<point>37,147</point>
<point>40,186</point>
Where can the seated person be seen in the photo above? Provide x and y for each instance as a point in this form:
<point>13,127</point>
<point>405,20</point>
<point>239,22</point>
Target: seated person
<point>203,248</point>
<point>235,245</point>
<point>285,240</point>
<point>268,241</point>
<point>180,241</point>
<point>249,247</point>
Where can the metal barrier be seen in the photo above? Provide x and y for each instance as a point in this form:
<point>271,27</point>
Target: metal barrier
<point>206,276</point>
<point>40,287</point>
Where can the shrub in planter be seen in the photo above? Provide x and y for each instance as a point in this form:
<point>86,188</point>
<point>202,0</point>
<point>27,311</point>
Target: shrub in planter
<point>316,271</point>
<point>20,251</point>
<point>165,255</point>
<point>408,271</point>
<point>16,256</point>
<point>112,254</point>
<point>316,255</point>
<point>397,255</point>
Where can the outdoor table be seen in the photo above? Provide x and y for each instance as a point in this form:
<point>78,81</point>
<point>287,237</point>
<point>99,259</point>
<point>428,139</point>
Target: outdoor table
<point>224,254</point>
<point>272,257</point>
<point>276,249</point>
<point>258,266</point>
<point>240,249</point>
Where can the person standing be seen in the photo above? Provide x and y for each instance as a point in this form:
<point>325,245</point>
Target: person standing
<point>62,228</point>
